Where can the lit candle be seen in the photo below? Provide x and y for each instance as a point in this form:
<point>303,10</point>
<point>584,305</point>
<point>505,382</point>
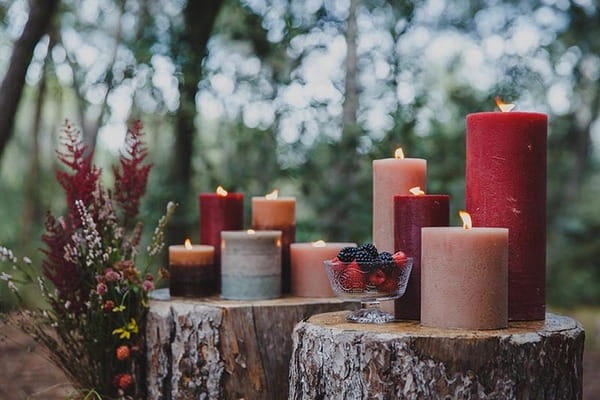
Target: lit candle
<point>250,264</point>
<point>506,187</point>
<point>192,270</point>
<point>309,278</point>
<point>272,212</point>
<point>219,211</point>
<point>411,213</point>
<point>464,277</point>
<point>392,176</point>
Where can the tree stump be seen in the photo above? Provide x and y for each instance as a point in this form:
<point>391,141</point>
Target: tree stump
<point>334,359</point>
<point>224,349</point>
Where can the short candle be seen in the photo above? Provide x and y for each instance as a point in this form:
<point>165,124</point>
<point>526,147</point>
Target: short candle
<point>250,264</point>
<point>192,270</point>
<point>309,278</point>
<point>464,277</point>
<point>392,176</point>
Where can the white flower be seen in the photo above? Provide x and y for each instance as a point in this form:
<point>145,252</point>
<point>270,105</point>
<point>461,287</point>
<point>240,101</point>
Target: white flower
<point>26,260</point>
<point>5,277</point>
<point>67,304</point>
<point>12,287</point>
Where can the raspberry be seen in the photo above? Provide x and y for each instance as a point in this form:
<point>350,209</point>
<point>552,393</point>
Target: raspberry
<point>376,277</point>
<point>390,285</point>
<point>347,254</point>
<point>400,259</point>
<point>352,279</point>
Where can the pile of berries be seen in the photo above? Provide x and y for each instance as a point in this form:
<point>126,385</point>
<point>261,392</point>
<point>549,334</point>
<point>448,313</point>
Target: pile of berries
<point>362,268</point>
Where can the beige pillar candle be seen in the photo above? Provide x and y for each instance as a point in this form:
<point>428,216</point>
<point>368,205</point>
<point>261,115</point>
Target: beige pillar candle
<point>192,270</point>
<point>250,264</point>
<point>392,176</point>
<point>464,277</point>
<point>309,278</point>
<point>272,212</point>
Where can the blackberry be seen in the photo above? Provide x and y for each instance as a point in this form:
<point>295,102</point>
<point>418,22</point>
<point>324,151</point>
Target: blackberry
<point>387,260</point>
<point>347,254</point>
<point>370,249</point>
<point>365,260</point>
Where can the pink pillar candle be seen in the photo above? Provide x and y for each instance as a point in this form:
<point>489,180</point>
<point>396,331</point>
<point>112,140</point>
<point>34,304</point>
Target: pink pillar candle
<point>392,176</point>
<point>464,281</point>
<point>272,212</point>
<point>309,278</point>
<point>192,270</point>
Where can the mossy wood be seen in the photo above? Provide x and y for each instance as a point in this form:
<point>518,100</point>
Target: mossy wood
<point>334,359</point>
<point>223,349</point>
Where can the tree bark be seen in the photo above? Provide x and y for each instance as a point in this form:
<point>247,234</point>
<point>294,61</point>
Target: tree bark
<point>40,15</point>
<point>220,349</point>
<point>530,360</point>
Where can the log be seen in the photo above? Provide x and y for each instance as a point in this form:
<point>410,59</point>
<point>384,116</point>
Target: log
<point>334,359</point>
<point>211,348</point>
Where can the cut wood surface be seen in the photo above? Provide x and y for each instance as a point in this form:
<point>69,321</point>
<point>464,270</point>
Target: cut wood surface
<point>334,359</point>
<point>211,348</point>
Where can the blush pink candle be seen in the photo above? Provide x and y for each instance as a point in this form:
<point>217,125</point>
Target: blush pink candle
<point>464,277</point>
<point>309,278</point>
<point>272,212</point>
<point>392,176</point>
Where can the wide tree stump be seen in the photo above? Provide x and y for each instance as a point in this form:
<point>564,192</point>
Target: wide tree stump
<point>334,359</point>
<point>224,349</point>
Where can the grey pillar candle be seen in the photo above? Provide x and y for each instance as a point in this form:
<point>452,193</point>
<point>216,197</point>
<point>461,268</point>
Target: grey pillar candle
<point>250,265</point>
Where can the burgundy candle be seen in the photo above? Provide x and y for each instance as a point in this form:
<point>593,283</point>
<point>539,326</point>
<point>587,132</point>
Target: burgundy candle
<point>506,187</point>
<point>219,211</point>
<point>411,213</point>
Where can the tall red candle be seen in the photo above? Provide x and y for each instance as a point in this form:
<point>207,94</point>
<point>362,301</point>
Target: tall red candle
<point>506,187</point>
<point>219,211</point>
<point>411,213</point>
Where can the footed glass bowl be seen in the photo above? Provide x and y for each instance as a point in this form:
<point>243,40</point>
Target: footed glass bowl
<point>370,283</point>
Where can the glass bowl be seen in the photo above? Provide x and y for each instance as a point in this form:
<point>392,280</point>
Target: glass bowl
<point>370,283</point>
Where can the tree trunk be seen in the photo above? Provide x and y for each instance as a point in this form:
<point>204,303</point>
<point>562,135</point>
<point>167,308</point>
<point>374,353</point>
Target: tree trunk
<point>220,349</point>
<point>40,14</point>
<point>530,360</point>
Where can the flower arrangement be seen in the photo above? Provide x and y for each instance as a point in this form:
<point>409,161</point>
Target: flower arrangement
<point>97,293</point>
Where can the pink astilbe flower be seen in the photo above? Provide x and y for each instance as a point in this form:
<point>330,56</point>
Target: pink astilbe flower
<point>101,289</point>
<point>131,176</point>
<point>81,181</point>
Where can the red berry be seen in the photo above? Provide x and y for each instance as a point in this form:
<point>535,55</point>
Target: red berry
<point>123,381</point>
<point>376,277</point>
<point>400,259</point>
<point>390,285</point>
<point>122,352</point>
<point>352,278</point>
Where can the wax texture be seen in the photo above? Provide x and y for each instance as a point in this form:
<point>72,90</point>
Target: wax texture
<point>308,275</point>
<point>192,272</point>
<point>278,214</point>
<point>392,176</point>
<point>506,187</point>
<point>464,278</point>
<point>411,213</point>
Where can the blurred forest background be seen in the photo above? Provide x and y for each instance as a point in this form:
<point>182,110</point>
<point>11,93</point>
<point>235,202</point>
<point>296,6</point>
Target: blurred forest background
<point>302,96</point>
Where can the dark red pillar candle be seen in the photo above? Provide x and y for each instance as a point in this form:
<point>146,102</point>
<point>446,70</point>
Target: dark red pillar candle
<point>411,213</point>
<point>219,212</point>
<point>506,187</point>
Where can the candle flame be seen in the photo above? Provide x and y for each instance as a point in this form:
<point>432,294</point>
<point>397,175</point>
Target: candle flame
<point>221,192</point>
<point>273,195</point>
<point>188,244</point>
<point>250,231</point>
<point>319,243</point>
<point>466,219</point>
<point>504,107</point>
<point>416,191</point>
<point>399,153</point>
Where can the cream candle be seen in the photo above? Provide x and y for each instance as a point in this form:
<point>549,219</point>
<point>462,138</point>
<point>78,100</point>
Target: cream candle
<point>250,264</point>
<point>309,278</point>
<point>392,176</point>
<point>192,270</point>
<point>464,277</point>
<point>272,212</point>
